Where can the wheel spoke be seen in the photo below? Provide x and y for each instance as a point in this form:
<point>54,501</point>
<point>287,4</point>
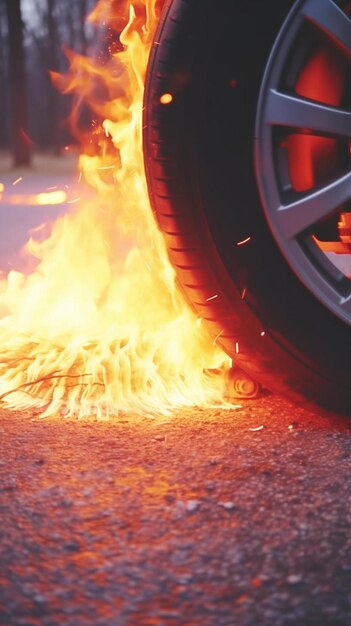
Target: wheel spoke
<point>331,20</point>
<point>311,208</point>
<point>295,112</point>
<point>346,304</point>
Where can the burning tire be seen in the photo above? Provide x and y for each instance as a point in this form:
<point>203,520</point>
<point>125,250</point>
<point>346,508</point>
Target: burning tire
<point>247,154</point>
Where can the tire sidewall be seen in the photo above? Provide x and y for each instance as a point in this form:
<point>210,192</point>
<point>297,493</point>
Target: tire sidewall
<point>209,135</point>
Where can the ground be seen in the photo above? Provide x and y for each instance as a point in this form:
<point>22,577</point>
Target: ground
<point>209,517</point>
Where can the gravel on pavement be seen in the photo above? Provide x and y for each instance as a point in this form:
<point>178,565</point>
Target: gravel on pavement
<point>208,517</point>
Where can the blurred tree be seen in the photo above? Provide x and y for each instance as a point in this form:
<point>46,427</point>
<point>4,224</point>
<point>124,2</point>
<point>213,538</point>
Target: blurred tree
<point>82,12</point>
<point>18,84</point>
<point>52,27</point>
<point>40,32</point>
<point>52,56</point>
<point>3,78</point>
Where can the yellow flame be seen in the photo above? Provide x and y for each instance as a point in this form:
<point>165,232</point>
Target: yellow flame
<point>101,327</point>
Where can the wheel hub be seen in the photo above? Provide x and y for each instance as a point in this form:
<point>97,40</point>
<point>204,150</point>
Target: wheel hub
<point>302,150</point>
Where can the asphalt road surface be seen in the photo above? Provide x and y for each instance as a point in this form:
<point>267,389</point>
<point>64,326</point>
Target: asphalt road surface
<point>199,519</point>
<point>20,214</point>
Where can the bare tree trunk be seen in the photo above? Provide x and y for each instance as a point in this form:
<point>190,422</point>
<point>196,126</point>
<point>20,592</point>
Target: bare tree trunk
<point>82,16</point>
<point>3,82</point>
<point>54,65</point>
<point>18,87</point>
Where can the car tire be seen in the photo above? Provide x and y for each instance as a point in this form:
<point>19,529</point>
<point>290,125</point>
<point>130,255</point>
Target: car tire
<point>206,179</point>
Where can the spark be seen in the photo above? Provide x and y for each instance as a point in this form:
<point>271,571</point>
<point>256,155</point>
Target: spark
<point>244,241</point>
<point>18,180</point>
<point>212,298</point>
<point>73,201</point>
<point>243,294</point>
<point>255,430</point>
<point>263,333</point>
<point>237,348</point>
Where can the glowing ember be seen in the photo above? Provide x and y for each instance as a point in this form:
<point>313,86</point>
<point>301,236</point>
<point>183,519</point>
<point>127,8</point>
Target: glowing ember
<point>166,98</point>
<point>100,326</point>
<point>41,199</point>
<point>53,197</point>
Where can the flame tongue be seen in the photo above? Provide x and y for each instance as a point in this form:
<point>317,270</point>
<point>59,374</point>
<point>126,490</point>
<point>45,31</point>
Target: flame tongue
<point>100,326</point>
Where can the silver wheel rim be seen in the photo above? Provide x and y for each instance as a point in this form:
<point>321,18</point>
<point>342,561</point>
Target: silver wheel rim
<point>292,216</point>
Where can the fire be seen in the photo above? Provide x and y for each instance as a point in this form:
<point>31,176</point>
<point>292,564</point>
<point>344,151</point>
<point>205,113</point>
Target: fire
<point>100,327</point>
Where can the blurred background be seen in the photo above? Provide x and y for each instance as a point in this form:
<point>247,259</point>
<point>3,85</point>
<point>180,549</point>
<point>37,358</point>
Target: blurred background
<point>38,151</point>
<point>34,35</point>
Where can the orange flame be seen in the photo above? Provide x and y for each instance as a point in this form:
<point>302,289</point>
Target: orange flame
<point>101,327</point>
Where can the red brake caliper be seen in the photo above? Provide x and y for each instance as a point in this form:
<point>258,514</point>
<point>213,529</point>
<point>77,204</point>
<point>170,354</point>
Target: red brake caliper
<point>313,159</point>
